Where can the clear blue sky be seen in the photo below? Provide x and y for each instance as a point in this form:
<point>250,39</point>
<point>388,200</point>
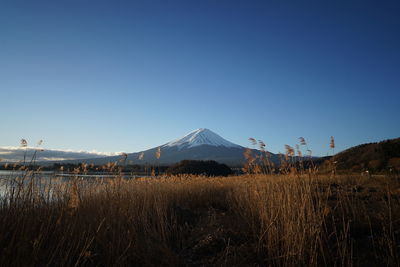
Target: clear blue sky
<point>131,75</point>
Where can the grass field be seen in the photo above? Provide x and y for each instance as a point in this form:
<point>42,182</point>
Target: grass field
<point>250,220</point>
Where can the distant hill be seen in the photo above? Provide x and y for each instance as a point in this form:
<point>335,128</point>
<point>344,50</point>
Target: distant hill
<point>381,156</point>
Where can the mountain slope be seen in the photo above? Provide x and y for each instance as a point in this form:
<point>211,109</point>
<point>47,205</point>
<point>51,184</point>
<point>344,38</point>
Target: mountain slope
<point>200,137</point>
<point>379,156</point>
<point>201,144</point>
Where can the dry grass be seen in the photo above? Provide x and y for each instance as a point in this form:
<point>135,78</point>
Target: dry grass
<point>275,220</point>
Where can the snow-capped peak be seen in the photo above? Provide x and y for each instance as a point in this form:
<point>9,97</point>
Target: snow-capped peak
<point>199,137</point>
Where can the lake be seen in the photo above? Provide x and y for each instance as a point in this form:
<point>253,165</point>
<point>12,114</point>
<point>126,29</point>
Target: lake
<point>44,180</point>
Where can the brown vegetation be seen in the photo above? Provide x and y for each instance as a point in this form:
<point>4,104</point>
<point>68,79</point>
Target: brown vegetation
<point>382,157</point>
<point>286,215</point>
<point>277,220</point>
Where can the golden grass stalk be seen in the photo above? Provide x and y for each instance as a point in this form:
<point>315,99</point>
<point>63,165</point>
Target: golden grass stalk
<point>158,153</point>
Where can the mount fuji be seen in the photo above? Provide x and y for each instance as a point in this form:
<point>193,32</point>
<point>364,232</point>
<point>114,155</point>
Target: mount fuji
<point>200,144</point>
<point>200,137</point>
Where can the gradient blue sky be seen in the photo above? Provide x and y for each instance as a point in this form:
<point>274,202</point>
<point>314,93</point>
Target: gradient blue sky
<point>131,75</point>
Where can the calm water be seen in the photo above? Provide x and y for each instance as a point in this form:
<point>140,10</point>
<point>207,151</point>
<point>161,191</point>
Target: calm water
<point>51,174</point>
<point>44,179</point>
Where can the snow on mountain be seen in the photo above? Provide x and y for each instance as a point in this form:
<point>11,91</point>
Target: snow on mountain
<point>201,144</point>
<point>200,137</point>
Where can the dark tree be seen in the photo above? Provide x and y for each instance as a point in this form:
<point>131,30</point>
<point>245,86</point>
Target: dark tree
<point>200,167</point>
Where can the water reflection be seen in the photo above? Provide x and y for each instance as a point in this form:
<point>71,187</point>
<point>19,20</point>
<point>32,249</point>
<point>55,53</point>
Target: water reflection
<point>45,183</point>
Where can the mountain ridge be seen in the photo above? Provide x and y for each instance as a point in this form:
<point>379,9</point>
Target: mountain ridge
<point>200,144</point>
<point>201,136</point>
<point>376,156</point>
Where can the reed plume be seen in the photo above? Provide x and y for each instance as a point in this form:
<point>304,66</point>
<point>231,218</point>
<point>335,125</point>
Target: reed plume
<point>158,152</point>
<point>253,141</point>
<point>141,156</point>
<point>302,141</point>
<point>24,143</point>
